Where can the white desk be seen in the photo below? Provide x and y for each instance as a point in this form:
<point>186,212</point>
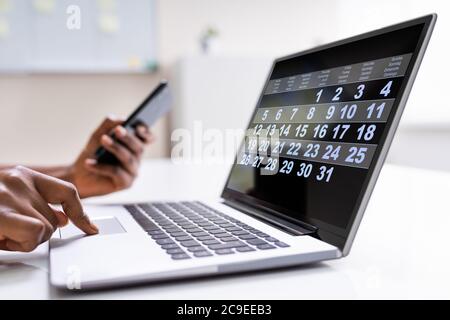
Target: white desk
<point>401,250</point>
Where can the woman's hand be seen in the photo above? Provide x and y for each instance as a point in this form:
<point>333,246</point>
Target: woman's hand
<point>92,178</point>
<point>26,218</point>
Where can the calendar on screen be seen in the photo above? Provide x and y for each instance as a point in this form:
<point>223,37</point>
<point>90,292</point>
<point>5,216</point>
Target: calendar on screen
<point>336,120</point>
<point>318,126</point>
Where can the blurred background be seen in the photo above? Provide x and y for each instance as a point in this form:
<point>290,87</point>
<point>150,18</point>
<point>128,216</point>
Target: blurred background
<point>60,76</point>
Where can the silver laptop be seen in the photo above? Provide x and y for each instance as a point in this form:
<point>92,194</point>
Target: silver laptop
<point>299,185</point>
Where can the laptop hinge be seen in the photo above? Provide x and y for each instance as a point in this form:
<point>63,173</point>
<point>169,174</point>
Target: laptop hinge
<point>270,218</point>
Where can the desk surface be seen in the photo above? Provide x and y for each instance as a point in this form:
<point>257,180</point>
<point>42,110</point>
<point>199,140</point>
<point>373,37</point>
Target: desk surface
<point>400,250</point>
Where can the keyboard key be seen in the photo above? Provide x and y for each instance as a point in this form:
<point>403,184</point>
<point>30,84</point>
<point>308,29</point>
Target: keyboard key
<point>195,249</point>
<point>200,254</point>
<point>205,224</point>
<point>160,236</point>
<point>271,239</point>
<point>165,241</point>
<point>178,234</point>
<point>175,251</point>
<point>233,229</point>
<point>193,230</point>
<point>222,235</point>
<point>256,242</point>
<point>205,238</point>
<point>184,238</point>
<point>190,243</point>
<point>228,239</point>
<point>180,256</point>
<point>247,237</point>
<point>186,225</point>
<point>200,234</point>
<point>155,232</point>
<point>173,230</point>
<point>261,234</point>
<point>228,245</point>
<point>221,222</point>
<point>224,251</point>
<point>170,246</point>
<point>245,249</point>
<point>166,223</point>
<point>212,228</point>
<point>265,246</point>
<point>239,233</point>
<point>149,226</point>
<point>208,242</point>
<point>282,244</point>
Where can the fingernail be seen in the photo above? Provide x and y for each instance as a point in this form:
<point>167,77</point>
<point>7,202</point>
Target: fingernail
<point>107,140</point>
<point>121,131</point>
<point>91,162</point>
<point>143,129</point>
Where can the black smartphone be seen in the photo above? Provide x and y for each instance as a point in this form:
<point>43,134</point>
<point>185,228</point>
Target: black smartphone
<point>151,109</point>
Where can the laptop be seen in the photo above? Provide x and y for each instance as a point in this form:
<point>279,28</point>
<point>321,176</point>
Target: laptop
<point>298,188</point>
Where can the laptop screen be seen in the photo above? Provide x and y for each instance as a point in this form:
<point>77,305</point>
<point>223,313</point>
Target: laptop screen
<point>316,132</point>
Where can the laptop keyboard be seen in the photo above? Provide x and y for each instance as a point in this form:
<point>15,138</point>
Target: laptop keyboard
<point>188,230</point>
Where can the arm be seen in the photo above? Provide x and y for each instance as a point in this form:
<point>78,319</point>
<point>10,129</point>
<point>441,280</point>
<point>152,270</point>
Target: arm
<point>93,179</point>
<point>59,172</point>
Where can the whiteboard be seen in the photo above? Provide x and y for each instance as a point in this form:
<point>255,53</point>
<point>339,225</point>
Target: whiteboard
<point>111,36</point>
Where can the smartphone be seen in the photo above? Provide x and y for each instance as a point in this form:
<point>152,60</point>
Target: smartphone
<point>157,104</point>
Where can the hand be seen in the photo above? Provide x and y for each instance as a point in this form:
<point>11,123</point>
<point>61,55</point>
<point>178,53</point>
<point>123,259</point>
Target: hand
<point>92,178</point>
<point>26,218</point>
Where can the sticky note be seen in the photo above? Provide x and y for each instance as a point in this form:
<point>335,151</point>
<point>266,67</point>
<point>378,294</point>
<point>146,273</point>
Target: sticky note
<point>4,28</point>
<point>44,6</point>
<point>134,62</point>
<point>5,6</point>
<point>109,23</point>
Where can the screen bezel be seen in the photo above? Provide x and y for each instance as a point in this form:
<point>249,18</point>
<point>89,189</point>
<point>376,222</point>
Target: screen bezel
<point>339,237</point>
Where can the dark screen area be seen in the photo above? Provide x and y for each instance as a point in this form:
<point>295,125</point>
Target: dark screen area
<point>367,74</point>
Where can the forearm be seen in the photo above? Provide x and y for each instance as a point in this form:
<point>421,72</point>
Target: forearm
<point>60,172</point>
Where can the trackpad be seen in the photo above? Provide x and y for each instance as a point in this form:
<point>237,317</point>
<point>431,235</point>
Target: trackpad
<point>106,225</point>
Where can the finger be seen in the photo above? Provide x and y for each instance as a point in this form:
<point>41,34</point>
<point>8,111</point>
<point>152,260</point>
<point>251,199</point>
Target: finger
<point>145,134</point>
<point>56,191</point>
<point>128,161</point>
<point>10,245</point>
<point>20,229</point>
<point>45,212</point>
<point>49,226</point>
<point>121,178</point>
<point>130,140</point>
<point>63,220</point>
<point>106,126</point>
<point>3,245</point>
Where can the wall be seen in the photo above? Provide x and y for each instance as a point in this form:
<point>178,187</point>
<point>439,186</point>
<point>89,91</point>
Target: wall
<point>247,28</point>
<point>279,27</point>
<point>47,118</point>
<point>34,108</point>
